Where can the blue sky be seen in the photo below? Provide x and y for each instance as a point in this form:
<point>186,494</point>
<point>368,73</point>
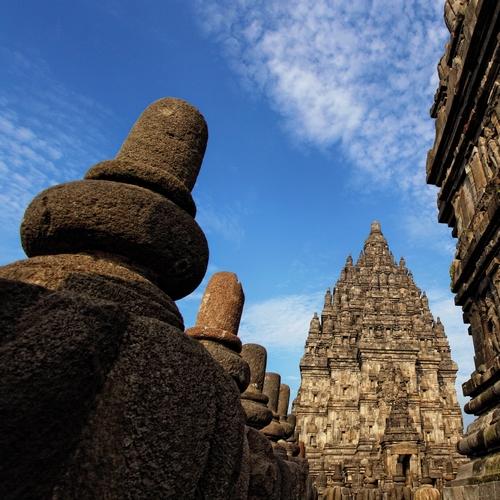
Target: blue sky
<point>318,123</point>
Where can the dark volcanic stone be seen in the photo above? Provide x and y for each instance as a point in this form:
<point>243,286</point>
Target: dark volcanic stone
<point>232,362</point>
<point>167,424</point>
<point>170,134</point>
<point>274,431</point>
<point>97,277</point>
<point>145,176</point>
<point>105,216</point>
<point>256,356</point>
<point>258,415</point>
<point>163,152</point>
<point>287,486</point>
<point>55,352</point>
<point>265,477</point>
<point>272,389</point>
<point>241,489</point>
<point>283,400</point>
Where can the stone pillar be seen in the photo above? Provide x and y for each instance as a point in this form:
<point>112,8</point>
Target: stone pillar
<point>217,325</point>
<point>216,329</point>
<point>254,402</point>
<point>101,393</point>
<point>274,431</point>
<point>283,401</point>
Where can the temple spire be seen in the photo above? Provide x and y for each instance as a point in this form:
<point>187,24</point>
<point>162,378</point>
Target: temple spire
<point>362,389</point>
<point>328,300</point>
<point>314,326</point>
<point>375,227</point>
<point>376,244</point>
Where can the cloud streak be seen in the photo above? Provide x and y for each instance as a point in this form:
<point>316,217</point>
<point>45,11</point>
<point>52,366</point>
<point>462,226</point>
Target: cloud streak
<point>48,133</point>
<point>359,75</point>
<point>279,321</point>
<point>224,221</point>
<point>356,73</point>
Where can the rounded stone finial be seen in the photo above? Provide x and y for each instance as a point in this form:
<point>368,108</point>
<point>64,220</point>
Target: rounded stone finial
<point>220,311</point>
<point>274,431</point>
<point>254,403</point>
<point>137,208</point>
<point>163,152</point>
<point>271,389</point>
<point>375,227</point>
<point>283,400</point>
<point>256,357</point>
<point>217,325</point>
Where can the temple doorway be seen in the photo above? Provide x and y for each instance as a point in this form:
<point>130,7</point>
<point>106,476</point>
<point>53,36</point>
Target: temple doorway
<point>405,460</point>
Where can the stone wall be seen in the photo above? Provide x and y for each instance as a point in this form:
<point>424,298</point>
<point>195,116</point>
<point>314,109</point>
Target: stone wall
<point>464,163</point>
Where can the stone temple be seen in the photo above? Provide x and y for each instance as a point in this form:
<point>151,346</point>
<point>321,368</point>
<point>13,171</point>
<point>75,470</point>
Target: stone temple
<point>377,406</point>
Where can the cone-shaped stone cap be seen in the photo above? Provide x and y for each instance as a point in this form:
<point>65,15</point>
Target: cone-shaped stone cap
<point>162,152</point>
<point>375,234</point>
<point>220,311</point>
<point>314,325</point>
<point>375,227</point>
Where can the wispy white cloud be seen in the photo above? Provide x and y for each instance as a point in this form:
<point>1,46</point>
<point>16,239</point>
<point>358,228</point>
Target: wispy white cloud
<point>358,74</point>
<point>420,221</point>
<point>279,321</point>
<point>48,133</point>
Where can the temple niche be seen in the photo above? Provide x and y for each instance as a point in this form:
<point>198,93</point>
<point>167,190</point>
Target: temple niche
<point>377,407</point>
<point>464,163</point>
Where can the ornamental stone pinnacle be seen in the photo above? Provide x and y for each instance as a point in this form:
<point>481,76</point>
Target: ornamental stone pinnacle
<point>162,152</point>
<point>254,402</point>
<point>217,325</point>
<point>283,402</point>
<point>274,431</point>
<point>377,393</point>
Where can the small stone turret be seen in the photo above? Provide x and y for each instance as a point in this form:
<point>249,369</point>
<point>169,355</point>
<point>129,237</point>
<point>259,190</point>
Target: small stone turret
<point>283,402</point>
<point>117,215</point>
<point>274,431</point>
<point>217,325</point>
<point>314,327</point>
<point>254,402</point>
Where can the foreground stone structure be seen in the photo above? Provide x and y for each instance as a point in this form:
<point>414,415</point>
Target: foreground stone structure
<point>377,406</point>
<point>269,469</point>
<point>464,163</point>
<point>102,394</point>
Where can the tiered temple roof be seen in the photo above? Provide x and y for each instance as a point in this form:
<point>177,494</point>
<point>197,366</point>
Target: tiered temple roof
<point>378,381</point>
